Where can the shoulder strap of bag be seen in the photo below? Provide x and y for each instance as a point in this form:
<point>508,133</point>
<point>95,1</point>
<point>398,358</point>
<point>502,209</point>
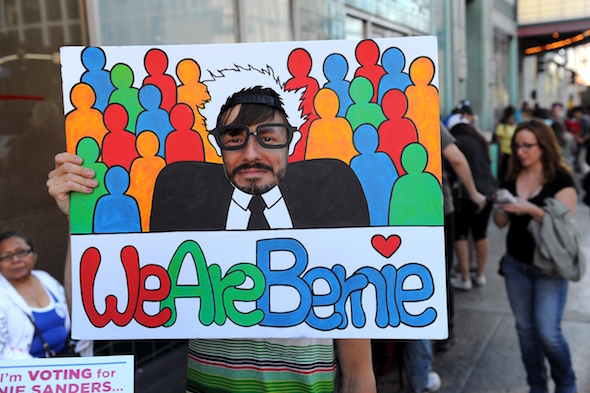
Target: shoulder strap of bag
<point>49,353</point>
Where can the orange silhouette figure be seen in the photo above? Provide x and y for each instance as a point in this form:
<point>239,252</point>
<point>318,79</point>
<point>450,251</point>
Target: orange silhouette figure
<point>84,120</point>
<point>119,144</point>
<point>423,111</point>
<point>299,65</point>
<point>329,136</point>
<point>184,143</point>
<point>397,132</point>
<point>195,94</point>
<point>156,63</point>
<point>143,174</point>
<point>367,54</point>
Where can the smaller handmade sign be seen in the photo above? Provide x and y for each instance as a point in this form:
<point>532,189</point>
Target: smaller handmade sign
<point>71,375</point>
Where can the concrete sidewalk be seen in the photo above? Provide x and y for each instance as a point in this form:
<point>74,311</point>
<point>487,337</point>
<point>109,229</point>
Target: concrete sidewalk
<point>486,357</point>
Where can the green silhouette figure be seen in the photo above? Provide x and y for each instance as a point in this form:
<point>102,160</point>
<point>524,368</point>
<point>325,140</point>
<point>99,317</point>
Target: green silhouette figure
<point>363,111</point>
<point>125,94</point>
<point>416,198</point>
<point>82,205</point>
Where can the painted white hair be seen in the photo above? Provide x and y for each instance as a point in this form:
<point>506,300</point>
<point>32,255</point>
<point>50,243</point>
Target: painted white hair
<point>226,82</point>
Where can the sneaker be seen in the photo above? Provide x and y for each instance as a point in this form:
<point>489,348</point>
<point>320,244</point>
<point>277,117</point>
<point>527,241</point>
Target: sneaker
<point>433,382</point>
<point>480,281</point>
<point>459,283</point>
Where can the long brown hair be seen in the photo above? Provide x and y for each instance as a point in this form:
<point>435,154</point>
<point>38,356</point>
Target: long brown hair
<point>551,157</point>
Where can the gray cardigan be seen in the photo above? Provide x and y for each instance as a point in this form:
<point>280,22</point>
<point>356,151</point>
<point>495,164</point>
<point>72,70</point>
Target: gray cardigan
<point>559,250</point>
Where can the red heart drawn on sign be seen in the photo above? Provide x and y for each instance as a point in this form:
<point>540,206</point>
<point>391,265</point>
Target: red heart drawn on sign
<point>386,247</point>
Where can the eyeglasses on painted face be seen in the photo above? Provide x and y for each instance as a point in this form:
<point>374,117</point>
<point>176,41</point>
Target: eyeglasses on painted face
<point>269,136</point>
<point>18,254</point>
<point>524,146</point>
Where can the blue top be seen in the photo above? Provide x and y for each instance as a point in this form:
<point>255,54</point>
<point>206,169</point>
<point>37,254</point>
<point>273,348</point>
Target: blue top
<point>50,321</point>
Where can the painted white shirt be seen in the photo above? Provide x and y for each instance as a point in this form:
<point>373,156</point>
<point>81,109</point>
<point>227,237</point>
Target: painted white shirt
<point>276,211</point>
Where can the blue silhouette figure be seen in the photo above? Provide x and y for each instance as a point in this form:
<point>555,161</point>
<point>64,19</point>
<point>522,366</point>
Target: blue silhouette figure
<point>376,173</point>
<point>94,60</point>
<point>393,62</point>
<point>116,212</point>
<point>153,118</point>
<point>335,70</point>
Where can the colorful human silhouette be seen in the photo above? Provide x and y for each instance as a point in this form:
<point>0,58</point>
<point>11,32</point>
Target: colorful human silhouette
<point>116,212</point>
<point>367,54</point>
<point>143,174</point>
<point>119,144</point>
<point>195,94</point>
<point>125,94</point>
<point>154,118</point>
<point>84,120</point>
<point>423,111</point>
<point>156,63</point>
<point>396,132</point>
<point>417,196</point>
<point>94,60</point>
<point>329,136</point>
<point>393,61</point>
<point>299,64</point>
<point>375,172</point>
<point>335,70</point>
<point>82,205</point>
<point>184,143</point>
<point>363,110</point>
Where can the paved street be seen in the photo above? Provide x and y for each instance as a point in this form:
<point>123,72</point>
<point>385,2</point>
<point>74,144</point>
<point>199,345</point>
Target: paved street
<point>485,357</point>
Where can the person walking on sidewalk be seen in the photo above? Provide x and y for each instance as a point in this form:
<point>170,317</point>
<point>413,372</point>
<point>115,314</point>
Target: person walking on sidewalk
<point>536,173</point>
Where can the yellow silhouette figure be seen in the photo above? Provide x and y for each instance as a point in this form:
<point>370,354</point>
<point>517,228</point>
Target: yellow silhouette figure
<point>143,174</point>
<point>195,94</point>
<point>423,111</point>
<point>84,120</point>
<point>329,136</point>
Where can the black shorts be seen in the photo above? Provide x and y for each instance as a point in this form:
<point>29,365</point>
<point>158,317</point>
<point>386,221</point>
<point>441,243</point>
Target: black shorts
<point>466,218</point>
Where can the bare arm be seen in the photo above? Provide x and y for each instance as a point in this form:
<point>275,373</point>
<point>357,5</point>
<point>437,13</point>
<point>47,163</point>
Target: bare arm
<point>567,196</point>
<point>354,358</point>
<point>461,167</point>
<point>69,176</point>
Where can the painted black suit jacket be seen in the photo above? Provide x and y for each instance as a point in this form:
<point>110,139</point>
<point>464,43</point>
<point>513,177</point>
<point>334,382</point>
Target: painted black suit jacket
<point>193,196</point>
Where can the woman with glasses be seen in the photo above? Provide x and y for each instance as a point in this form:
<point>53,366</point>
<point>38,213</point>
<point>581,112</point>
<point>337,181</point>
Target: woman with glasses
<point>34,319</point>
<point>536,172</point>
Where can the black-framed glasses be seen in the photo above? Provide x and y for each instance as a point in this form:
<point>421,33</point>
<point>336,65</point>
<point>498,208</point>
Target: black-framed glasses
<point>270,136</point>
<point>524,146</point>
<point>18,254</point>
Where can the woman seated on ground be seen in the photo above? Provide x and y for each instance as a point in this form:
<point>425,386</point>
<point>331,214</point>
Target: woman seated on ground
<point>28,295</point>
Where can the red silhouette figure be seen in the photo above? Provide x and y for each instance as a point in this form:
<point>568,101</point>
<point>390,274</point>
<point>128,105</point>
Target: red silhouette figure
<point>299,65</point>
<point>367,54</point>
<point>184,143</point>
<point>118,146</point>
<point>397,132</point>
<point>156,63</point>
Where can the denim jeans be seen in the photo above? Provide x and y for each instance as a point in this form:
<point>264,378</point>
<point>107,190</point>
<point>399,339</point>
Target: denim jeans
<point>538,302</point>
<point>418,358</point>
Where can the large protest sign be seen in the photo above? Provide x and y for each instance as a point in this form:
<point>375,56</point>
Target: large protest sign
<point>354,245</point>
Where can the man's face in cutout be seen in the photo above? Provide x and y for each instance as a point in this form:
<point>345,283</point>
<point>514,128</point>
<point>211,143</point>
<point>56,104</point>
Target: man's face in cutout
<point>255,169</point>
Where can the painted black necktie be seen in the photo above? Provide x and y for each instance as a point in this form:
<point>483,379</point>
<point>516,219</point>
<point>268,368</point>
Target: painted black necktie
<point>257,219</point>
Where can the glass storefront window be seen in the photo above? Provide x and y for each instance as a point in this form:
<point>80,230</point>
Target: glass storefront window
<point>138,22</point>
<point>267,20</point>
<point>354,28</point>
<point>32,126</point>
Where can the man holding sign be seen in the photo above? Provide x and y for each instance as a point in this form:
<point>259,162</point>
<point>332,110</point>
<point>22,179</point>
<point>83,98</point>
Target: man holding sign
<point>254,138</point>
